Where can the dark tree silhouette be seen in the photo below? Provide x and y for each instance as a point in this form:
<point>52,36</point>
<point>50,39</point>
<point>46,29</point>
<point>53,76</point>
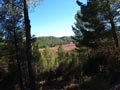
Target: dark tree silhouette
<point>10,26</point>
<point>28,46</point>
<point>111,18</point>
<point>78,2</point>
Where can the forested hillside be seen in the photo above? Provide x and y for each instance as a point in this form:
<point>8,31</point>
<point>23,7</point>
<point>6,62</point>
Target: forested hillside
<point>52,41</point>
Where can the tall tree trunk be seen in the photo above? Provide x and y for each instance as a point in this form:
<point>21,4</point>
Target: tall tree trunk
<point>115,37</point>
<point>18,63</point>
<point>28,46</point>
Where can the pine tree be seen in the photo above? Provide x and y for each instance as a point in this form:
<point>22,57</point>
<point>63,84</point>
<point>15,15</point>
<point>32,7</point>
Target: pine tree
<point>85,34</point>
<point>12,33</point>
<point>96,22</point>
<point>28,46</point>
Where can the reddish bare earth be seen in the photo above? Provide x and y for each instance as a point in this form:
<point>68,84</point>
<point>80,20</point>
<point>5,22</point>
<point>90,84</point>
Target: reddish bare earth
<point>67,47</point>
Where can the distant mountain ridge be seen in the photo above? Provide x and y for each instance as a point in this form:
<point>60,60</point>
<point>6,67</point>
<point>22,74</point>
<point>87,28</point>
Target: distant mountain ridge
<point>52,41</point>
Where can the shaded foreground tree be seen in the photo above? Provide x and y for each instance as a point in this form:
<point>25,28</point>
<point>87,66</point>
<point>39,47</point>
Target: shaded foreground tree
<point>109,11</point>
<point>11,13</point>
<point>87,32</point>
<point>96,30</point>
<point>28,46</point>
<point>111,18</point>
<point>103,12</point>
<point>12,32</point>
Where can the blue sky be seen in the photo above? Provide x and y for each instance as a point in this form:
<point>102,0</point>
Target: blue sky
<point>53,18</point>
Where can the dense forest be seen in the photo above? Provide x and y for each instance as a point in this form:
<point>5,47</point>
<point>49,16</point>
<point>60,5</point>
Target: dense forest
<point>93,65</point>
<point>52,41</point>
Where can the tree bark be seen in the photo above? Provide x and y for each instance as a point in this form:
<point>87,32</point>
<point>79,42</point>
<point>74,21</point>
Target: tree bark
<point>28,47</point>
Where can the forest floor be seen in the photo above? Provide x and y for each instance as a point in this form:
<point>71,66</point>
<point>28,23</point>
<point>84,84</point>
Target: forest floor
<point>59,85</point>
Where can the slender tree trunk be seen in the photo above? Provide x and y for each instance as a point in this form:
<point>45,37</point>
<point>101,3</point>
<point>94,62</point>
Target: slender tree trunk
<point>28,46</point>
<point>18,63</point>
<point>114,33</point>
<point>115,37</point>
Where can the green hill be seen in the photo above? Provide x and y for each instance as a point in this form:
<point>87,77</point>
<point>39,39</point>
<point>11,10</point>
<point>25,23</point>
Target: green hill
<point>52,41</point>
